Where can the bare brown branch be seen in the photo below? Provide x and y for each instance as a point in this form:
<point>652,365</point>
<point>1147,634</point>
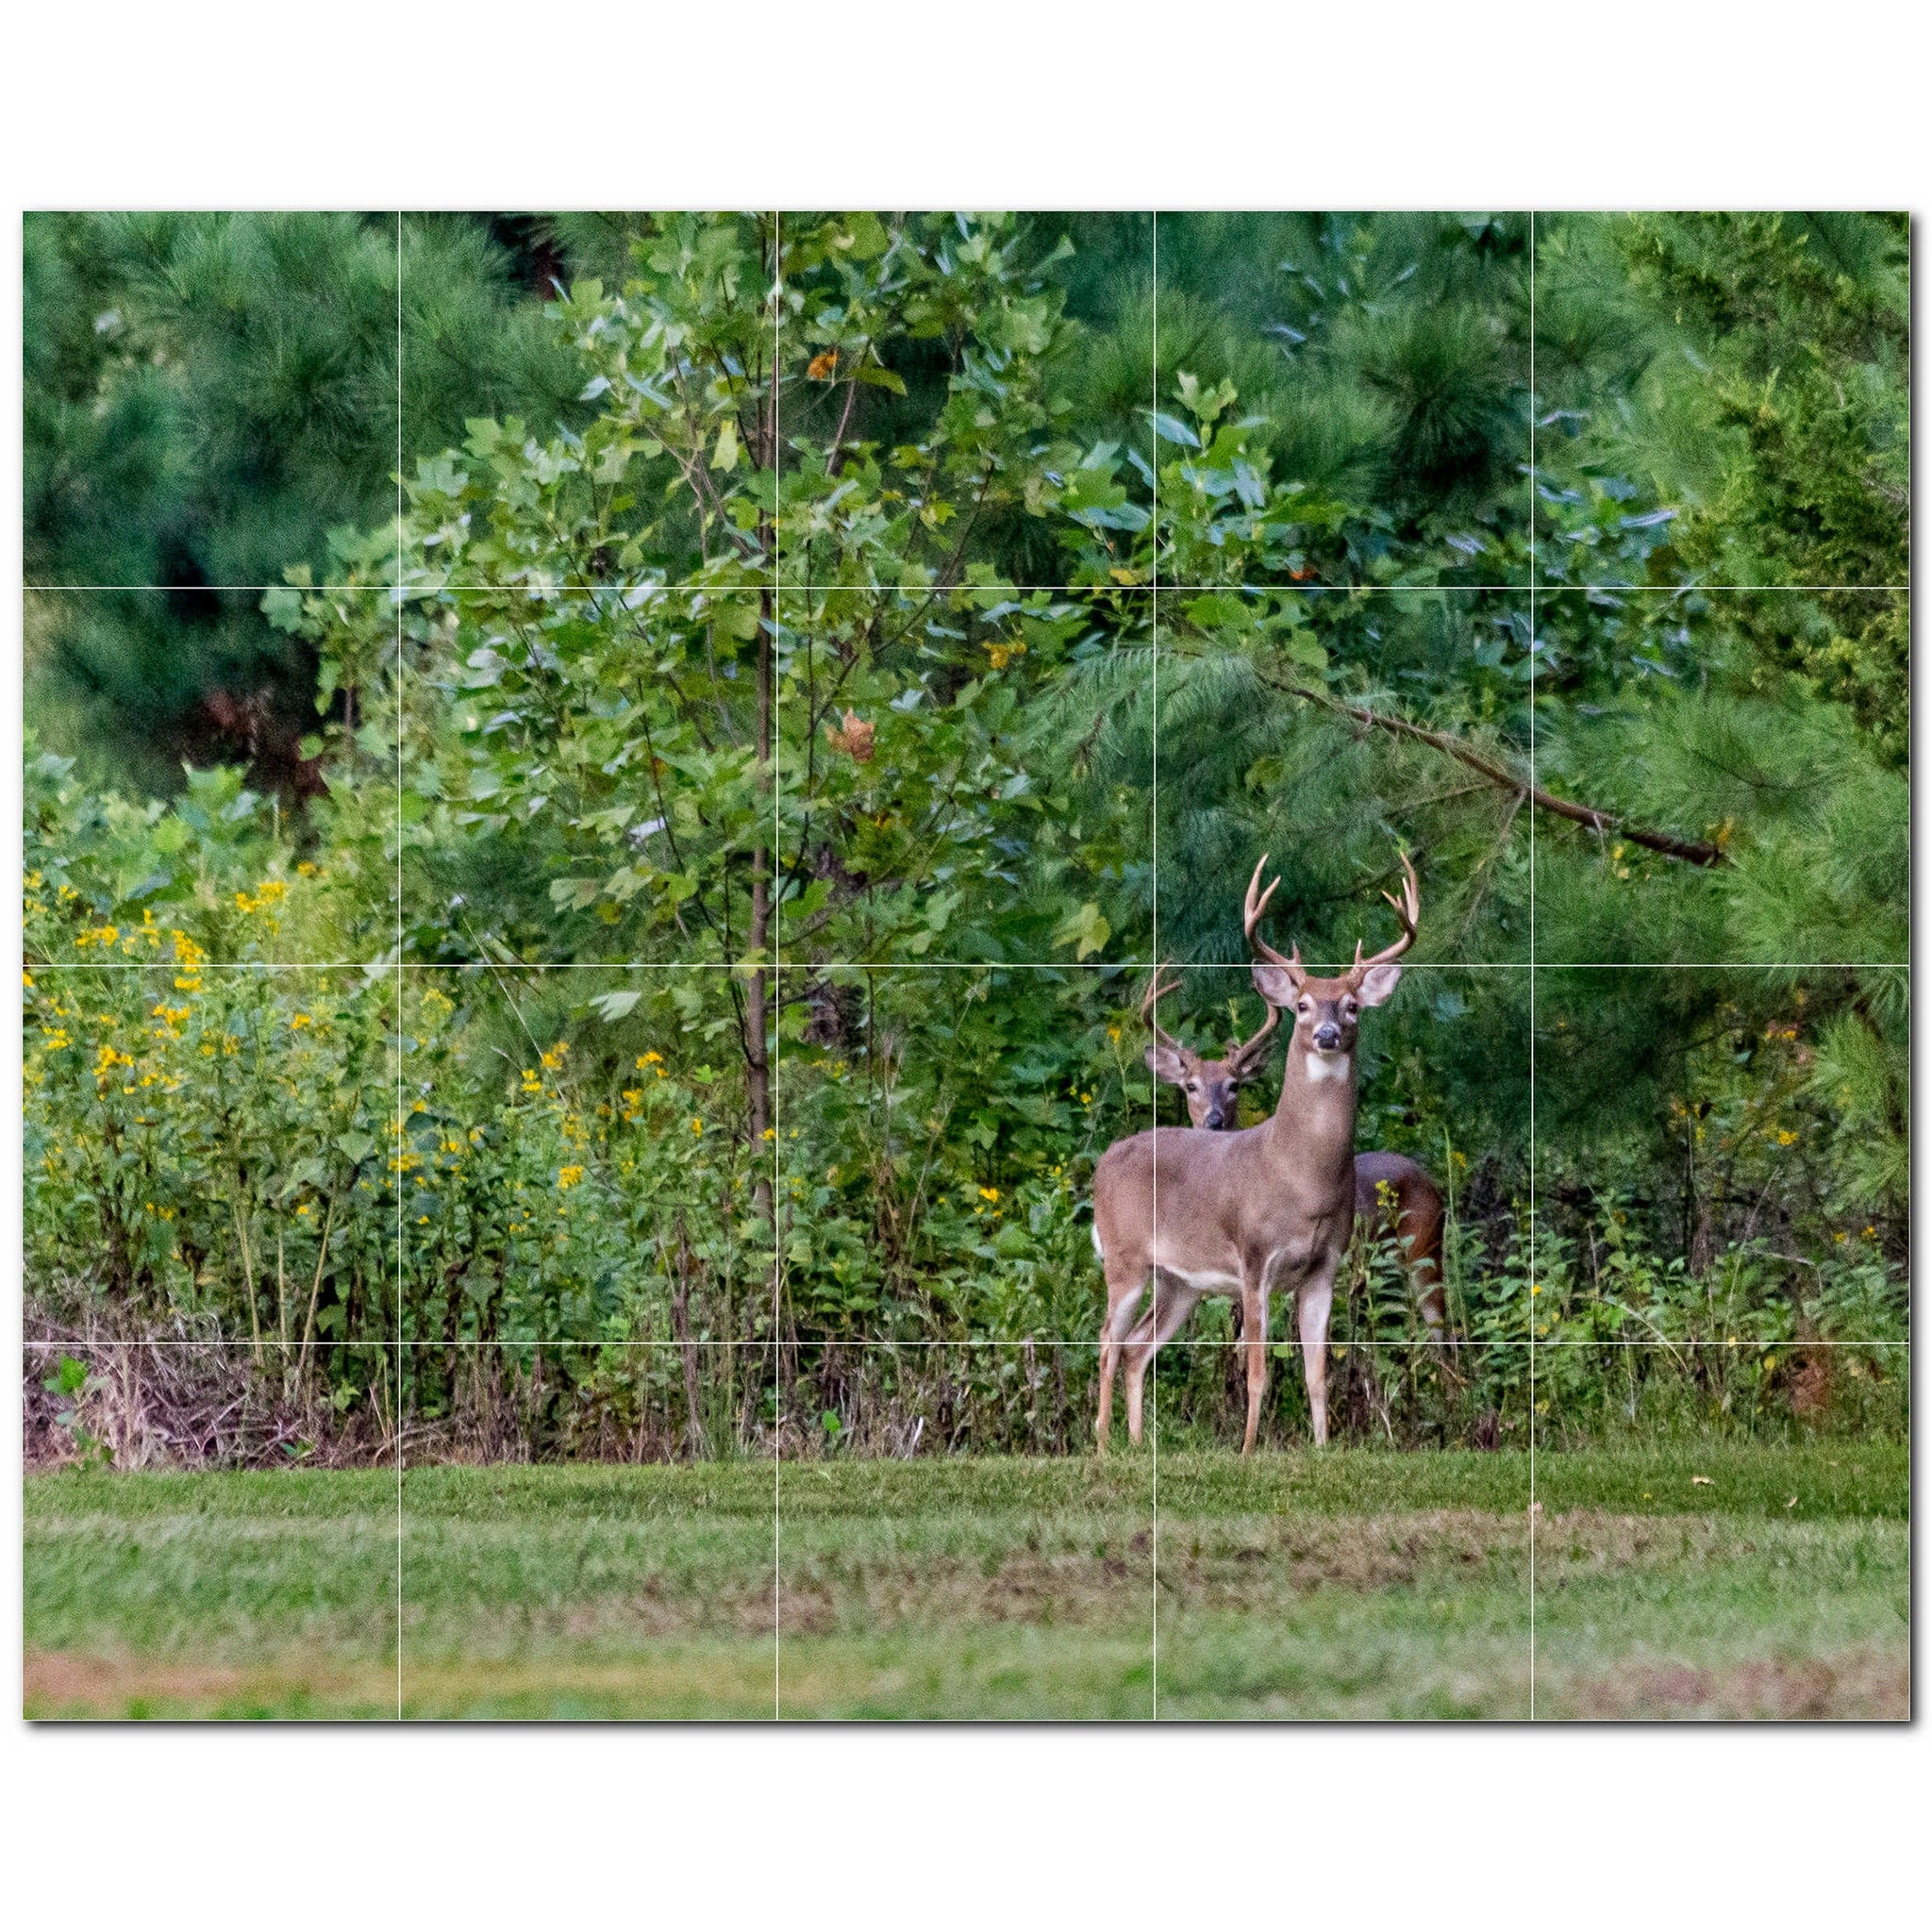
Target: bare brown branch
<point>1694,851</point>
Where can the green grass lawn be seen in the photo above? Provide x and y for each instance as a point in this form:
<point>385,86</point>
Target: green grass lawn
<point>1349,1584</point>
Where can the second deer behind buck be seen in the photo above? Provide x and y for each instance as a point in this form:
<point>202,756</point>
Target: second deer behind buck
<point>1413,1204</point>
<point>1195,1212</point>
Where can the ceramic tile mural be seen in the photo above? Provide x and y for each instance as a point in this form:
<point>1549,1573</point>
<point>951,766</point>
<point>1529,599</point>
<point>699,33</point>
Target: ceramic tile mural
<point>923,965</point>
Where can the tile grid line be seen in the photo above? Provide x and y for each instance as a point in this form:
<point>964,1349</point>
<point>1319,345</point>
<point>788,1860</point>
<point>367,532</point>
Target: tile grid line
<point>501,966</point>
<point>586,588</point>
<point>402,712</point>
<point>758,1019</point>
<point>900,1345</point>
<point>1153,840</point>
<point>1530,1317</point>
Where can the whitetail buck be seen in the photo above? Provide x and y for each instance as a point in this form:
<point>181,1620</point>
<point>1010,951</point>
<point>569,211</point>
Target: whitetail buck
<point>1195,1212</point>
<point>1412,1207</point>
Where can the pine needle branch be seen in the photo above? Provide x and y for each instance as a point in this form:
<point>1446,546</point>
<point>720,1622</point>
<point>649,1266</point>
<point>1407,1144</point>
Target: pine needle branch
<point>1696,851</point>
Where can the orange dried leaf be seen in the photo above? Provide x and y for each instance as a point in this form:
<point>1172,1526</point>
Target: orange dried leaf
<point>823,366</point>
<point>855,739</point>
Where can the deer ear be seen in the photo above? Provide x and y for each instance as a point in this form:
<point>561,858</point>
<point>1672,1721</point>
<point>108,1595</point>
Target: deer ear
<point>1246,1072</point>
<point>1168,1064</point>
<point>1378,982</point>
<point>1274,985</point>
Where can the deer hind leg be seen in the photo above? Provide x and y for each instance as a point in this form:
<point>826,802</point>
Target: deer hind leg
<point>1420,1232</point>
<point>1174,1302</point>
<point>1317,1296</point>
<point>1113,1333</point>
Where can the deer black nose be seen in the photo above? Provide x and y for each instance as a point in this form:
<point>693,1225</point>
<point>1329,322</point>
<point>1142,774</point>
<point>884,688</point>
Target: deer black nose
<point>1328,1036</point>
<point>1214,1118</point>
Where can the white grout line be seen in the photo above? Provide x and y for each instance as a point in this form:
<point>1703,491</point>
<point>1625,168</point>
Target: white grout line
<point>589,586</point>
<point>758,1019</point>
<point>1022,1342</point>
<point>1153,839</point>
<point>402,714</point>
<point>1530,1314</point>
<point>822,966</point>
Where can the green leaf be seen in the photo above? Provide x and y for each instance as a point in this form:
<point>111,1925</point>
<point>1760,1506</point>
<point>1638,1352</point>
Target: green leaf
<point>1085,930</point>
<point>865,238</point>
<point>282,606</point>
<point>68,1380</point>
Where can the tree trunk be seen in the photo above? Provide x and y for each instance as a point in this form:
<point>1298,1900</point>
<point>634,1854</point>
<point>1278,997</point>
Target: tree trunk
<point>680,1325</point>
<point>757,1066</point>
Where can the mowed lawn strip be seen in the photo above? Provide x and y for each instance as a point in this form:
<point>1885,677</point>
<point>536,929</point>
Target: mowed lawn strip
<point>1357,1584</point>
<point>588,1591</point>
<point>1002,1587</point>
<point>1795,1482</point>
<point>171,1595</point>
<point>1351,1583</point>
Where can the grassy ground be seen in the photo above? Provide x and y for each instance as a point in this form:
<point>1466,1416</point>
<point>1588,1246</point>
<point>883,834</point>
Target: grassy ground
<point>1353,1584</point>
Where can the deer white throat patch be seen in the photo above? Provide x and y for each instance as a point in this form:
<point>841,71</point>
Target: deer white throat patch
<point>1328,1066</point>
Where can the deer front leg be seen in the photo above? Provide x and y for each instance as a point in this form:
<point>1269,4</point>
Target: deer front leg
<point>1113,1331</point>
<point>1173,1305</point>
<point>1254,1343</point>
<point>1316,1298</point>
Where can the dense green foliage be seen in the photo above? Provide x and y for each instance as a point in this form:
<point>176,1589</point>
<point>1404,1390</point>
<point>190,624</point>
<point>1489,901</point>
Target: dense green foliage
<point>773,685</point>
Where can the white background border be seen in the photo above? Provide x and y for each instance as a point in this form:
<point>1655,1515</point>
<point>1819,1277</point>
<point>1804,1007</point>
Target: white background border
<point>359,106</point>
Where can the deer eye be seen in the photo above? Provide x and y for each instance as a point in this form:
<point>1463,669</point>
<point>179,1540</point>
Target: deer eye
<point>1304,1008</point>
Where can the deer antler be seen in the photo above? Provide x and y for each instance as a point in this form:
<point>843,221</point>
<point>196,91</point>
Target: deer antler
<point>1242,1056</point>
<point>1408,909</point>
<point>1156,992</point>
<point>1252,909</point>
